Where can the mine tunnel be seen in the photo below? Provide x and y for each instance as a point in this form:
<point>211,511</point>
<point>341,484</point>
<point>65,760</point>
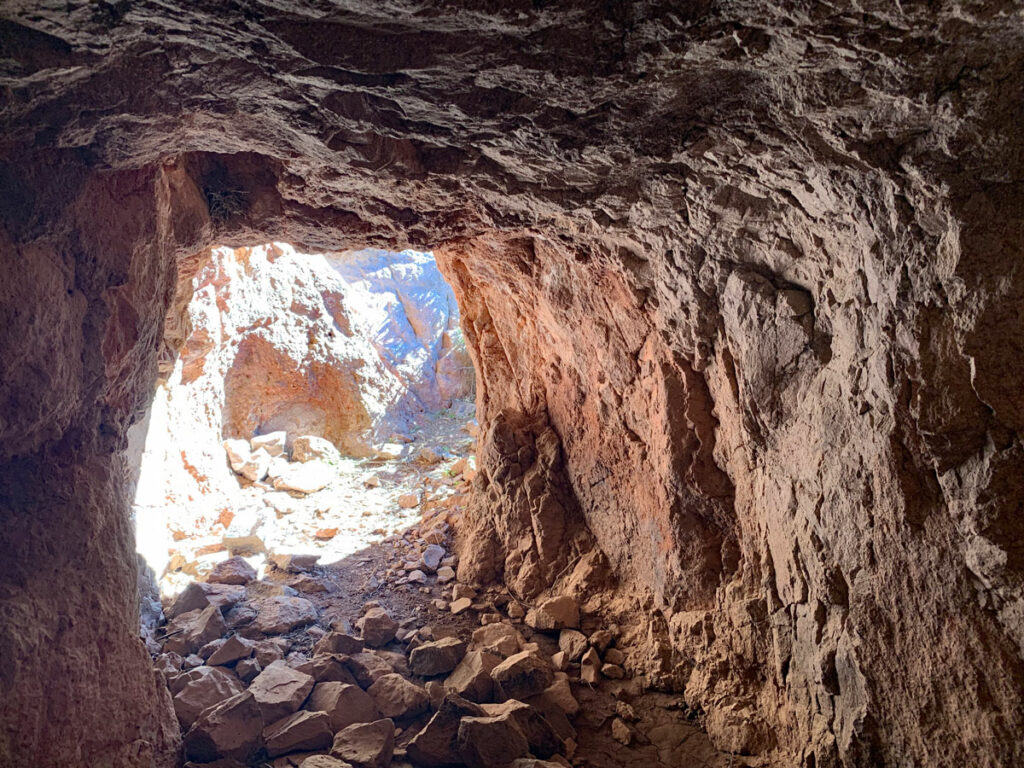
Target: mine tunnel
<point>739,292</point>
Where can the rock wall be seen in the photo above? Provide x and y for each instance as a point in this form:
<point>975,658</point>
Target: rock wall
<point>755,268</point>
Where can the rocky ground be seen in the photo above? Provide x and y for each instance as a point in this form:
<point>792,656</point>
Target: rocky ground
<point>384,659</point>
<point>313,500</point>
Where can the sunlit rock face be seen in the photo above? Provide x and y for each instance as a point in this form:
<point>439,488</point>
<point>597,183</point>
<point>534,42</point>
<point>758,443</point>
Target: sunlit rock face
<point>754,267</point>
<point>352,347</point>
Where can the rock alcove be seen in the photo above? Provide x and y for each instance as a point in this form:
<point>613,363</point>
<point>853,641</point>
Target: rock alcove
<point>741,283</point>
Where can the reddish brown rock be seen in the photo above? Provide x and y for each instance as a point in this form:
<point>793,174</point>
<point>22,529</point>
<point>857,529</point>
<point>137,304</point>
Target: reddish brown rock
<point>210,687</point>
<point>297,732</point>
<point>231,729</point>
<point>343,704</point>
<point>436,744</point>
<point>525,674</point>
<point>397,698</point>
<point>366,745</point>
<point>472,679</point>
<point>234,570</point>
<point>279,690</point>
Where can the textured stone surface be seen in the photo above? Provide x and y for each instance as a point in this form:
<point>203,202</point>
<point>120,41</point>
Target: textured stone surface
<point>740,283</point>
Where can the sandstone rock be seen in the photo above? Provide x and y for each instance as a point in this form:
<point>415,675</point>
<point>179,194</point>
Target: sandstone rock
<point>472,677</point>
<point>417,577</point>
<point>366,745</point>
<point>485,742</point>
<point>445,574</point>
<point>238,452</point>
<point>377,627</point>
<point>436,745</point>
<point>614,656</point>
<point>460,591</point>
<point>515,611</point>
<point>601,639</point>
<point>560,661</point>
<point>231,729</point>
<point>270,650</point>
<point>613,671</point>
<point>431,557</point>
<point>409,500</point>
<point>282,614</point>
<point>500,639</point>
<point>368,667</point>
<point>280,690</point>
<point>234,570</point>
<point>204,690</point>
<point>397,698</point>
<point>272,442</point>
<point>247,669</point>
<point>210,648</point>
<point>310,447</point>
<point>541,737</point>
<point>437,658</point>
<point>192,630</point>
<point>459,606</point>
<point>293,563</point>
<point>554,613</point>
<point>299,731</point>
<point>344,704</point>
<point>560,694</point>
<point>233,649</point>
<point>197,596</point>
<point>323,761</point>
<point>621,732</point>
<point>523,675</point>
<point>309,477</point>
<point>328,668</point>
<point>573,643</point>
<point>338,642</point>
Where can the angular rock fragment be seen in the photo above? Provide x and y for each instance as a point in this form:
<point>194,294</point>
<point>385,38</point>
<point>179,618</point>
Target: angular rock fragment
<point>500,639</point>
<point>234,570</point>
<point>232,729</point>
<point>377,627</point>
<point>272,442</point>
<point>368,667</point>
<point>338,642</point>
<point>436,744</point>
<point>344,704</point>
<point>431,558</point>
<point>437,658</point>
<point>366,745</point>
<point>573,643</point>
<point>207,687</point>
<point>192,630</point>
<point>308,477</point>
<point>397,698</point>
<point>485,742</point>
<point>523,675</point>
<point>472,677</point>
<point>233,649</point>
<point>280,690</point>
<point>323,761</point>
<point>299,731</point>
<point>540,736</point>
<point>310,447</point>
<point>278,615</point>
<point>328,669</point>
<point>554,613</point>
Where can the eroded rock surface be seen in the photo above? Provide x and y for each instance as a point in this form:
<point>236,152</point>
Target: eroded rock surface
<point>740,283</point>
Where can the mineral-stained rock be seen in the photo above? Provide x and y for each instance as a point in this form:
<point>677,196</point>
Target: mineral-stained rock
<point>231,729</point>
<point>272,442</point>
<point>299,731</point>
<point>344,704</point>
<point>436,744</point>
<point>485,742</point>
<point>437,657</point>
<point>234,570</point>
<point>378,627</point>
<point>554,613</point>
<point>281,614</point>
<point>366,745</point>
<point>280,690</point>
<point>523,675</point>
<point>472,677</point>
<point>396,697</point>
<point>208,686</point>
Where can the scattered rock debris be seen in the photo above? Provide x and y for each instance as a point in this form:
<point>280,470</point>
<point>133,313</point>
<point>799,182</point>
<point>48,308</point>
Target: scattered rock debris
<point>378,669</point>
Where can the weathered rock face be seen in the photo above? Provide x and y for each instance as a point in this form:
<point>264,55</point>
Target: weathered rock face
<point>755,270</point>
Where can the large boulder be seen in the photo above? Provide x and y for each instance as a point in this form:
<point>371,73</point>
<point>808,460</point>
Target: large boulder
<point>472,679</point>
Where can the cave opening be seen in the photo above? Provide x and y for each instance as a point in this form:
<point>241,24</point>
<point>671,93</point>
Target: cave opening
<point>308,405</point>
